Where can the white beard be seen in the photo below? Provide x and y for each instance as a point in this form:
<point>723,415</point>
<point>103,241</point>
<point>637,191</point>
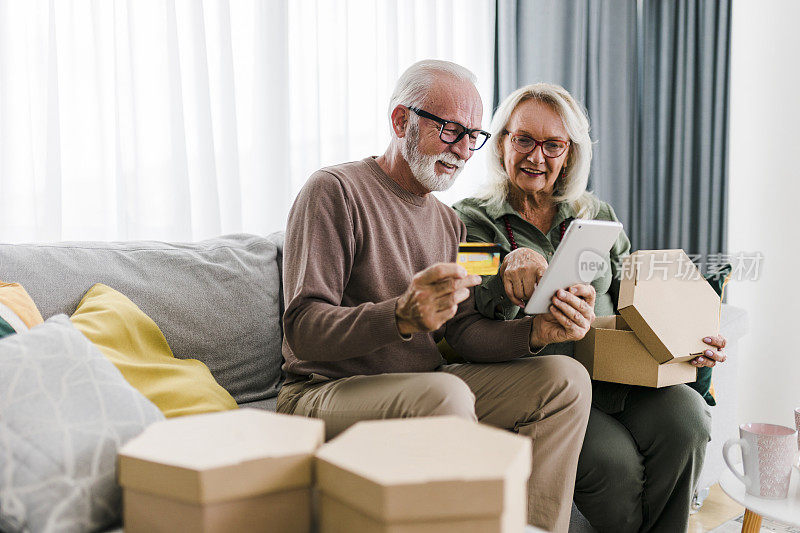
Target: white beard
<point>423,167</point>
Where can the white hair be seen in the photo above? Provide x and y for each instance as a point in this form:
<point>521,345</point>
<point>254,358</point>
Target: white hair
<point>569,188</point>
<point>415,83</point>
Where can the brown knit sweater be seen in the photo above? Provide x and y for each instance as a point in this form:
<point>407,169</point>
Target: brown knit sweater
<point>354,240</point>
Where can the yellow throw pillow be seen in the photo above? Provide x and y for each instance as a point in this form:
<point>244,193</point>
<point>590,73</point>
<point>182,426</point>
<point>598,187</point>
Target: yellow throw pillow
<point>136,346</point>
<point>17,308</point>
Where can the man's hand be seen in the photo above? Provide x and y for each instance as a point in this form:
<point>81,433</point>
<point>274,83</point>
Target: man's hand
<point>433,297</point>
<point>520,271</point>
<point>571,314</point>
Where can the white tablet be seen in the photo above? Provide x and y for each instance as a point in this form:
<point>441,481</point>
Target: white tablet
<point>580,258</point>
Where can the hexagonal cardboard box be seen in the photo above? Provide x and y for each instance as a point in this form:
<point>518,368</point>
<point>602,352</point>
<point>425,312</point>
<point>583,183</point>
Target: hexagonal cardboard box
<point>415,475</point>
<point>245,470</point>
<point>666,307</point>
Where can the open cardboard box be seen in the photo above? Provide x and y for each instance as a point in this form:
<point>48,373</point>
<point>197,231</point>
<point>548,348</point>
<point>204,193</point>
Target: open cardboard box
<point>666,309</point>
<point>611,351</point>
<point>237,471</point>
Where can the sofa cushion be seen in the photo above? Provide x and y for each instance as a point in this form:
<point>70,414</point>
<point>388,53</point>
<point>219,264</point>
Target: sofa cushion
<point>277,238</point>
<point>132,341</point>
<point>216,300</point>
<point>270,404</point>
<point>17,309</point>
<point>65,412</point>
<point>7,329</point>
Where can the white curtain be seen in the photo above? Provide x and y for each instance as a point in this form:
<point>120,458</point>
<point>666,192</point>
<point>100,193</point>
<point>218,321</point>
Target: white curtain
<point>187,119</point>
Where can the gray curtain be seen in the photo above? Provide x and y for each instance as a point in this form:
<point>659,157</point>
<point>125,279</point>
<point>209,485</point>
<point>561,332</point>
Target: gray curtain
<point>653,76</point>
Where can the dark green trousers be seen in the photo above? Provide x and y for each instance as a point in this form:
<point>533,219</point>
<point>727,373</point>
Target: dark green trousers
<point>638,468</point>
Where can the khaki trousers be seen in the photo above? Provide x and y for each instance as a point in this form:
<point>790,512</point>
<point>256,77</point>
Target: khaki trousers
<point>546,398</point>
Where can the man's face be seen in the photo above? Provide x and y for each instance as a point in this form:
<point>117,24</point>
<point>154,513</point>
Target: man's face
<point>434,163</point>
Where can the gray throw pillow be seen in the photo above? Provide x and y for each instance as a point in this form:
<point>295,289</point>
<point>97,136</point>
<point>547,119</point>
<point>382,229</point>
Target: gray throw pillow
<point>64,412</point>
<point>216,300</point>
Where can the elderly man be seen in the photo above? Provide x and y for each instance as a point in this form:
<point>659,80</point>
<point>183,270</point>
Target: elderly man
<point>371,287</point>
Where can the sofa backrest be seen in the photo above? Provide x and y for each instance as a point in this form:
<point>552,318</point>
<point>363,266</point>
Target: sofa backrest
<point>277,239</point>
<point>217,300</point>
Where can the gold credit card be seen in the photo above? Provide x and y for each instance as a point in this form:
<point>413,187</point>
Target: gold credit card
<point>479,258</point>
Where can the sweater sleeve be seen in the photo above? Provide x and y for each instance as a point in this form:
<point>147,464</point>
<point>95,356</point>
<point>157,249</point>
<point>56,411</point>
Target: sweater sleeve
<point>318,257</point>
<point>484,340</point>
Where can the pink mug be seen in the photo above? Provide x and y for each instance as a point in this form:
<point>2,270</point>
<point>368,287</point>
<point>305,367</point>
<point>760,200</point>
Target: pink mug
<point>797,424</point>
<point>768,452</point>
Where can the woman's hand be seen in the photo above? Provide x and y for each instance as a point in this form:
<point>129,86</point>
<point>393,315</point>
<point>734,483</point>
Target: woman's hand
<point>711,357</point>
<point>571,314</point>
<point>520,271</point>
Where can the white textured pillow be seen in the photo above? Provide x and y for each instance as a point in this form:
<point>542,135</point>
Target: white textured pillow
<point>64,412</point>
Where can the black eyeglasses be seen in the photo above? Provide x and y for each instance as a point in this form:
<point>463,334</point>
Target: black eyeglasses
<point>452,132</point>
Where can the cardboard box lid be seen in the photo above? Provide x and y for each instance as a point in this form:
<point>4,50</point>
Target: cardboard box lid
<point>425,468</point>
<point>222,456</point>
<point>668,304</point>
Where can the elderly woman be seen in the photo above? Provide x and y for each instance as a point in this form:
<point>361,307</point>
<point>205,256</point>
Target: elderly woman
<point>644,448</point>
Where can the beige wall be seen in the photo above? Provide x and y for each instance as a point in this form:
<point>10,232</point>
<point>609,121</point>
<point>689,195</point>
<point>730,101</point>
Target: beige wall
<point>764,202</point>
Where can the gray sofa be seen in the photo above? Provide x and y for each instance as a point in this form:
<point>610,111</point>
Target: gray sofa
<point>220,301</point>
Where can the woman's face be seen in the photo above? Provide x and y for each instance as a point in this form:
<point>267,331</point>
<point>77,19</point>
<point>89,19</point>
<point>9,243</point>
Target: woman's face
<point>534,173</point>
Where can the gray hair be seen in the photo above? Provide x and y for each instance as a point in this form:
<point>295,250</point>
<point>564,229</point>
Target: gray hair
<point>415,83</point>
<point>571,188</point>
